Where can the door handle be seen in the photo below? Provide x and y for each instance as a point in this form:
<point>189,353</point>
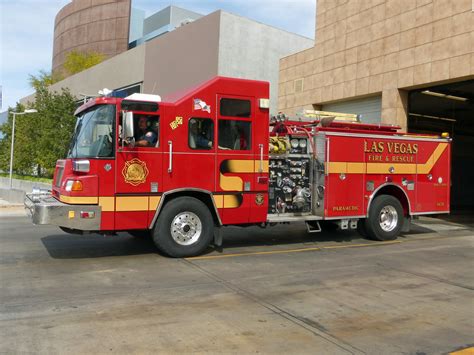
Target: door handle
<point>170,164</point>
<point>260,170</point>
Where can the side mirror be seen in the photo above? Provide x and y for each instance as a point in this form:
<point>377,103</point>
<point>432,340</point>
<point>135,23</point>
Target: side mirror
<point>128,125</point>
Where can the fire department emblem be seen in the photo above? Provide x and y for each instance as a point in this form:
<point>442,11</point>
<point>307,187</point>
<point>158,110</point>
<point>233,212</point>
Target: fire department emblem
<point>259,199</point>
<point>135,172</point>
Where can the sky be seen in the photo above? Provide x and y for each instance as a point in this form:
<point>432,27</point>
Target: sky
<point>26,31</point>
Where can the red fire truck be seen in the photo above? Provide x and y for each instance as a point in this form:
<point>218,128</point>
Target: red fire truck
<point>182,168</point>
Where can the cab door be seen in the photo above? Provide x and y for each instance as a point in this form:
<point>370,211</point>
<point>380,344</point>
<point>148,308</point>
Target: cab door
<point>237,157</point>
<point>138,185</point>
<point>189,146</point>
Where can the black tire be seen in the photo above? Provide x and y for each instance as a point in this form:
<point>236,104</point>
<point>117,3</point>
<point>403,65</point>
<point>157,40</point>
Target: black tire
<point>141,233</point>
<point>373,224</point>
<point>193,212</point>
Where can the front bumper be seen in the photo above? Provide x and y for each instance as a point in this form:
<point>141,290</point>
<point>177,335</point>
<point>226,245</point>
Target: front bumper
<point>45,209</point>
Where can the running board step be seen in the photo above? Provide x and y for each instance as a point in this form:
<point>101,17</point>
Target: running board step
<point>313,227</point>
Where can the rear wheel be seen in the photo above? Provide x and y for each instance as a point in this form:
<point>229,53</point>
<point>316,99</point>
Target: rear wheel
<point>385,218</point>
<point>184,228</point>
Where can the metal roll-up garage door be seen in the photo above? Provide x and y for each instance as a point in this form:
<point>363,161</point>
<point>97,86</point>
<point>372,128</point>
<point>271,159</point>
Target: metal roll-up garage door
<point>369,108</point>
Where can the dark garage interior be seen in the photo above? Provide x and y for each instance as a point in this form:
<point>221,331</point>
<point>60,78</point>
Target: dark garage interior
<point>449,108</point>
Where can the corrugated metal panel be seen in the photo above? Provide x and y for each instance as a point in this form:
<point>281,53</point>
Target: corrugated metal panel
<point>369,108</point>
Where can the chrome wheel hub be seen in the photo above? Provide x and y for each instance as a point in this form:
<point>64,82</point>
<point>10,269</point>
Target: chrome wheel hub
<point>388,218</point>
<point>186,228</point>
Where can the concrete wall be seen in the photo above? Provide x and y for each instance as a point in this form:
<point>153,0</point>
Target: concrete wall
<point>381,46</point>
<point>252,50</point>
<point>88,25</point>
<point>157,20</point>
<point>183,57</point>
<point>178,15</point>
<point>217,44</point>
<point>20,188</point>
<point>137,18</point>
<point>116,72</point>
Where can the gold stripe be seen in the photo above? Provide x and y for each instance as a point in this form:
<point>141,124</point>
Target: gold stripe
<point>383,168</point>
<point>467,351</point>
<point>247,166</point>
<point>231,183</point>
<point>426,168</point>
<point>153,202</point>
<point>231,201</point>
<point>226,201</point>
<point>241,166</point>
<point>107,204</point>
<point>131,203</point>
<point>79,200</point>
<point>264,166</point>
<point>235,183</point>
<point>219,201</point>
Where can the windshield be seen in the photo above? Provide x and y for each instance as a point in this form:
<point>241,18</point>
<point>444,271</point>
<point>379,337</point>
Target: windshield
<point>93,136</point>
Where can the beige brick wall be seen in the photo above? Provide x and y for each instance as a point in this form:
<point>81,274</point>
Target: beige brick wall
<point>373,47</point>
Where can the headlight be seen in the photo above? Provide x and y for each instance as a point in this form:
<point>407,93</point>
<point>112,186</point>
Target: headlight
<point>302,143</point>
<point>294,143</point>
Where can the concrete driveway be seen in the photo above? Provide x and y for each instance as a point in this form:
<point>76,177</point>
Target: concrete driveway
<point>279,290</point>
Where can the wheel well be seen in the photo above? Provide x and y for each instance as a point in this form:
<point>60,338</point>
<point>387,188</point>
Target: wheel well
<point>396,192</point>
<point>204,197</point>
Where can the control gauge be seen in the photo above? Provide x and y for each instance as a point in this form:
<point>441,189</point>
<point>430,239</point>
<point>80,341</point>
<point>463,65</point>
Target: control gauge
<point>294,143</point>
<point>302,143</point>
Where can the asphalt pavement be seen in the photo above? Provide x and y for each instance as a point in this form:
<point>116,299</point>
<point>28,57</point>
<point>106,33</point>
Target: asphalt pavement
<point>279,290</point>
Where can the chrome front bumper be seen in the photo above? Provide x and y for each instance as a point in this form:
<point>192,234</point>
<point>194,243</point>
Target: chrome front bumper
<point>45,209</point>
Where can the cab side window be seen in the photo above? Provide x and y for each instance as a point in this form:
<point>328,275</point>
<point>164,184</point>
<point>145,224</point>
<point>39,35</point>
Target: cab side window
<point>235,107</point>
<point>201,133</point>
<point>147,130</point>
<point>234,134</point>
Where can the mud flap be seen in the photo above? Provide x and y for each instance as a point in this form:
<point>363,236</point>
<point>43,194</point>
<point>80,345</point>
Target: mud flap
<point>218,237</point>
<point>406,225</point>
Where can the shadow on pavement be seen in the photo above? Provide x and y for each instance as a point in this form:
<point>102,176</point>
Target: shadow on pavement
<point>295,233</point>
<point>70,246</point>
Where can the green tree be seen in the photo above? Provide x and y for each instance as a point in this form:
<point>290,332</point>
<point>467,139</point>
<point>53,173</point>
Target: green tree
<point>41,138</point>
<point>78,61</point>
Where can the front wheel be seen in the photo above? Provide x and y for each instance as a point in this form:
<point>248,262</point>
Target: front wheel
<point>184,228</point>
<point>385,218</point>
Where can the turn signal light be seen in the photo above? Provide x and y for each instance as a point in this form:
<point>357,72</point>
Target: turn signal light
<point>445,135</point>
<point>73,185</point>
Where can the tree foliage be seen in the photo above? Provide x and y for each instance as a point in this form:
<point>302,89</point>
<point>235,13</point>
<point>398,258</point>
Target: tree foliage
<point>78,61</point>
<point>40,138</point>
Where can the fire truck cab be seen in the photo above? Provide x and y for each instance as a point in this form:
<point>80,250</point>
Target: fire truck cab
<point>180,168</point>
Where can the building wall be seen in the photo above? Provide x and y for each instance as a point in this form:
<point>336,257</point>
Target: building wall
<point>252,50</point>
<point>89,25</point>
<point>183,57</point>
<point>368,47</point>
<point>217,44</point>
<point>117,72</point>
<point>137,18</point>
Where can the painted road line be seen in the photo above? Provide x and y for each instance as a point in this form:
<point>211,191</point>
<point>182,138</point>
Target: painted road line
<point>288,251</point>
<point>252,253</point>
<point>467,351</point>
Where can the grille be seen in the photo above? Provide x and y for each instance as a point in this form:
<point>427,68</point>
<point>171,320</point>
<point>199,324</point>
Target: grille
<point>59,176</point>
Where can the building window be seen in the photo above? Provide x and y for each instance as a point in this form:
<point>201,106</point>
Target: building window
<point>235,107</point>
<point>234,135</point>
<point>200,133</point>
<point>299,85</point>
